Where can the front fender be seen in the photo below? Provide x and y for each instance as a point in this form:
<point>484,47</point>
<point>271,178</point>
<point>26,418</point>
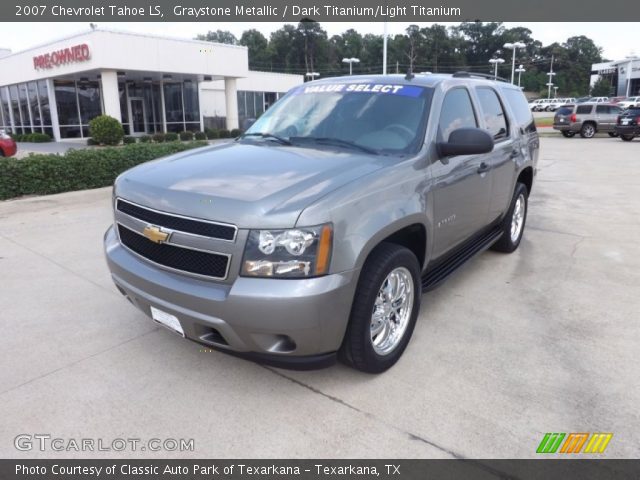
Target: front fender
<point>371,209</point>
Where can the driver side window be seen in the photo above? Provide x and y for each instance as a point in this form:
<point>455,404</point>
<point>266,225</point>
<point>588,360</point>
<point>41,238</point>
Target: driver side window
<point>457,112</point>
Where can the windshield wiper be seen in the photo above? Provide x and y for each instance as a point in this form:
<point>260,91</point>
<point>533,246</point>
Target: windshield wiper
<point>335,141</point>
<point>281,140</point>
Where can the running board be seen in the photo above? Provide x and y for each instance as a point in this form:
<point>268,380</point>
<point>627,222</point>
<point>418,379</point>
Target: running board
<point>439,273</point>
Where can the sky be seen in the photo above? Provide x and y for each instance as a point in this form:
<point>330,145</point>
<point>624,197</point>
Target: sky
<point>20,36</point>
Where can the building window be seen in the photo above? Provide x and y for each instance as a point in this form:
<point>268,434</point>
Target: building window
<point>78,103</point>
<point>24,108</point>
<point>173,107</point>
<point>15,107</point>
<point>124,110</point>
<point>89,101</point>
<point>253,104</point>
<point>43,98</point>
<point>4,109</point>
<point>181,104</point>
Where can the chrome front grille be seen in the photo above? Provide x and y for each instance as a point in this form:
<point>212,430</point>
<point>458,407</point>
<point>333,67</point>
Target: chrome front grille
<point>190,245</point>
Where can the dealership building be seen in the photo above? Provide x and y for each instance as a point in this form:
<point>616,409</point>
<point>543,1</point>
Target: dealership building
<point>623,75</point>
<point>150,83</point>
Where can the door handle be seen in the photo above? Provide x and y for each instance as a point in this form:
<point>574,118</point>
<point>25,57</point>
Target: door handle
<point>484,167</point>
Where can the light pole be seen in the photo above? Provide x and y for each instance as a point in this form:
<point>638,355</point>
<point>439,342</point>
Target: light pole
<point>351,61</point>
<point>520,71</point>
<point>550,74</point>
<point>496,62</point>
<point>384,50</point>
<point>312,75</point>
<point>514,46</point>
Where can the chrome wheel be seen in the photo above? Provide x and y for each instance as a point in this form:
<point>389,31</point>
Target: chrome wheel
<point>588,130</point>
<point>392,311</point>
<point>517,219</point>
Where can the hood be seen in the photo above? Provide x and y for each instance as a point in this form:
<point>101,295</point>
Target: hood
<point>248,185</point>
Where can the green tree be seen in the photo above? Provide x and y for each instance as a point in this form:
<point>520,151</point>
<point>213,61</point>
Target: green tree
<point>258,46</point>
<point>283,49</point>
<point>602,88</point>
<point>219,36</point>
<point>314,43</point>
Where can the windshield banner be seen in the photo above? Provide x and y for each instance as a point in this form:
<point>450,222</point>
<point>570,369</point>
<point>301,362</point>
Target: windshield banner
<point>378,88</point>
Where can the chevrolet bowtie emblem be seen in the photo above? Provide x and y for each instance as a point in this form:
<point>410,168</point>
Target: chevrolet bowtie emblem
<point>154,234</point>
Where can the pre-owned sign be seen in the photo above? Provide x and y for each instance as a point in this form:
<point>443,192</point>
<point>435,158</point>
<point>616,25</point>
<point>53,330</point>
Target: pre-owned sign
<point>77,53</point>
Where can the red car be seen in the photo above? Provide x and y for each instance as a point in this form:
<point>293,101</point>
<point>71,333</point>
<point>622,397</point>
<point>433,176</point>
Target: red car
<point>8,146</point>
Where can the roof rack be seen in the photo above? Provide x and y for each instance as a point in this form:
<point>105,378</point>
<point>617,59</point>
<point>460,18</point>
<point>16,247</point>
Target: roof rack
<point>487,76</point>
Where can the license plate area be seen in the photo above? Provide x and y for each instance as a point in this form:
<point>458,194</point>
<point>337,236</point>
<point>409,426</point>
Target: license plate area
<point>167,320</point>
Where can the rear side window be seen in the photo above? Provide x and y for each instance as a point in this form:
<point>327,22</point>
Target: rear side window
<point>457,112</point>
<point>584,109</point>
<point>565,110</point>
<point>493,113</point>
<point>518,102</point>
<point>602,109</point>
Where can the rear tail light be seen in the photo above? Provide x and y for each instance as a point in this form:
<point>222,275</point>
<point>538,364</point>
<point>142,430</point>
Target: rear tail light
<point>638,120</point>
<point>573,118</point>
<point>619,118</point>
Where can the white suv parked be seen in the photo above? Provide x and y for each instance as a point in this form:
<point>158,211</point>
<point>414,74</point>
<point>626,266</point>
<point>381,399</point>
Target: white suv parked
<point>629,102</point>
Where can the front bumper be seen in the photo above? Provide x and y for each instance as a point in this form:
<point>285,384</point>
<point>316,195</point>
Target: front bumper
<point>291,323</point>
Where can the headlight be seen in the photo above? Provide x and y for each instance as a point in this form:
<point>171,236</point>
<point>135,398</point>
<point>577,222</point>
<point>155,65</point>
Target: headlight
<point>296,252</point>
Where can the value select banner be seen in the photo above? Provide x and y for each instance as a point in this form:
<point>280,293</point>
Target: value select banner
<point>319,10</point>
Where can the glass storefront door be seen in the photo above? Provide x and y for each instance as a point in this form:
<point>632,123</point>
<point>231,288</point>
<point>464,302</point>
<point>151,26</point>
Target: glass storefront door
<point>138,117</point>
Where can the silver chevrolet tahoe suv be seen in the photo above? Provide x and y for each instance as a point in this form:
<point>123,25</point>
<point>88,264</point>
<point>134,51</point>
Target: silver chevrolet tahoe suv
<point>313,235</point>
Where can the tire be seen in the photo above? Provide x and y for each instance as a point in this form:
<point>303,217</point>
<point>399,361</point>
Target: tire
<point>612,134</point>
<point>510,240</point>
<point>567,134</point>
<point>362,348</point>
<point>627,138</point>
<point>588,130</point>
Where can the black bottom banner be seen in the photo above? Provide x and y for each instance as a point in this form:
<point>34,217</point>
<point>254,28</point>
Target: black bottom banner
<point>543,469</point>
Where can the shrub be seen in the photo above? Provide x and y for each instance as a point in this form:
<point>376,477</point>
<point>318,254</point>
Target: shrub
<point>186,135</point>
<point>129,140</point>
<point>212,133</point>
<point>36,137</point>
<point>159,137</point>
<point>39,137</point>
<point>236,132</point>
<point>106,130</point>
<point>145,139</point>
<point>224,133</point>
<point>170,137</point>
<point>42,174</point>
<point>91,141</point>
<point>200,136</point>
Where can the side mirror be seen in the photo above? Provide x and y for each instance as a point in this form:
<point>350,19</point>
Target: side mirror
<point>466,141</point>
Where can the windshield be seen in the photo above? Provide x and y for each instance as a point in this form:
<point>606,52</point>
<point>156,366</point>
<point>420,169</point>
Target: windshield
<point>374,117</point>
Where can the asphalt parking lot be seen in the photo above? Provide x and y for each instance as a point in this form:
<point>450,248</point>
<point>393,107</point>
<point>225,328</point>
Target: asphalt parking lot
<point>544,340</point>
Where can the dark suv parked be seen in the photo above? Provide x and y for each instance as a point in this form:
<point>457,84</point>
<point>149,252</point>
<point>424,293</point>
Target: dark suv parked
<point>628,125</point>
<point>315,233</point>
<point>587,119</point>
